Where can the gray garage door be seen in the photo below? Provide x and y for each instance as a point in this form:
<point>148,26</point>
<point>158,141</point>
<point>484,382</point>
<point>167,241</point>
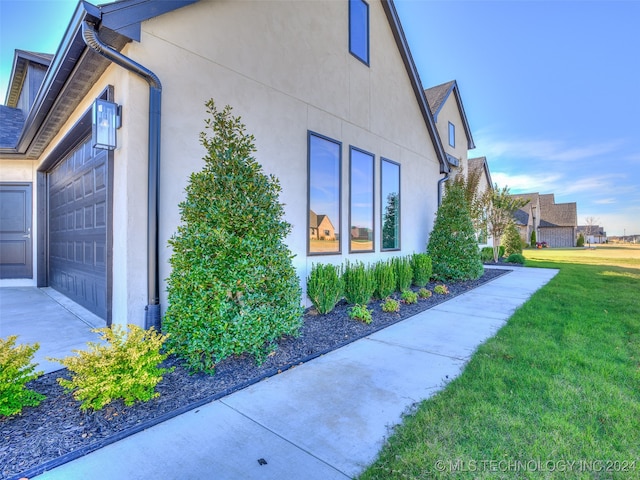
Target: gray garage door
<point>78,192</point>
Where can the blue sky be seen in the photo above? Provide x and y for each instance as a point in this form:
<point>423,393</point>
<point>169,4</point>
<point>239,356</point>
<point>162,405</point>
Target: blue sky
<point>550,88</point>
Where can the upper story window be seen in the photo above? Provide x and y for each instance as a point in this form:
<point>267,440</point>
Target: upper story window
<point>361,201</point>
<point>452,134</point>
<point>359,29</point>
<point>324,194</point>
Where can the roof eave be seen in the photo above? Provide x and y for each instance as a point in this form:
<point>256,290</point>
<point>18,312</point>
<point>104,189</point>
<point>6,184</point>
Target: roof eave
<point>401,41</point>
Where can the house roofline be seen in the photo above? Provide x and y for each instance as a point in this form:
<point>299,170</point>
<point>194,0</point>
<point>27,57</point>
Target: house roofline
<point>465,122</point>
<point>403,46</point>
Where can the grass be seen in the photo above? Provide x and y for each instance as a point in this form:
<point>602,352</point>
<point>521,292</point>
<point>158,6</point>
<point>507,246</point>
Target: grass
<point>560,383</point>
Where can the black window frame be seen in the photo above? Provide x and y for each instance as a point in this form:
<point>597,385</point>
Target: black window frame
<point>339,222</point>
<point>373,197</point>
<point>352,5</point>
<point>383,205</point>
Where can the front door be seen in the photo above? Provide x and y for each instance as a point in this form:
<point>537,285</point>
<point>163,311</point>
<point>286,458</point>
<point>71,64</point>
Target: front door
<point>16,252</point>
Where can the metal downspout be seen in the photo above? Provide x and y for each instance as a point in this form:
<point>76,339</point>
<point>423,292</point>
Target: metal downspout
<point>91,38</point>
<point>440,182</point>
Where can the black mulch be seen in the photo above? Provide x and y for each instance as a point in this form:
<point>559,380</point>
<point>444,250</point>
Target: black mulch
<point>56,431</point>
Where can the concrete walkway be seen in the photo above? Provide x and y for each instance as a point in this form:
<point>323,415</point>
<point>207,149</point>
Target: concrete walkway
<point>326,419</point>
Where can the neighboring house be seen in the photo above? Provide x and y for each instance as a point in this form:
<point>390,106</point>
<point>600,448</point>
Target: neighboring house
<point>328,88</point>
<point>320,227</point>
<point>557,222</point>
<point>592,233</point>
<point>480,166</point>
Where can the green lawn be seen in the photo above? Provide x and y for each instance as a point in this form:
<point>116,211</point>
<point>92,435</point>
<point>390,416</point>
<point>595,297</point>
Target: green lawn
<point>555,394</point>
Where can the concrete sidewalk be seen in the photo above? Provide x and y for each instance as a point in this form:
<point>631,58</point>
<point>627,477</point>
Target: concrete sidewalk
<point>326,419</point>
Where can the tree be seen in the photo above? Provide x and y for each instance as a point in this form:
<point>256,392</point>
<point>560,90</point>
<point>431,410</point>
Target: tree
<point>591,228</point>
<point>452,244</point>
<point>474,198</point>
<point>511,241</point>
<point>390,222</point>
<point>233,288</point>
<point>580,242</point>
<point>534,239</point>
<point>500,206</point>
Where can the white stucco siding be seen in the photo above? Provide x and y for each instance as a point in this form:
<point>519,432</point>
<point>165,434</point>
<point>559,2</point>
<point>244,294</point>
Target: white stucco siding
<point>450,113</point>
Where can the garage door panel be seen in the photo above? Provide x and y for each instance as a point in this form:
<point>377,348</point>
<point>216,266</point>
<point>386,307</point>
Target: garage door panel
<point>78,228</point>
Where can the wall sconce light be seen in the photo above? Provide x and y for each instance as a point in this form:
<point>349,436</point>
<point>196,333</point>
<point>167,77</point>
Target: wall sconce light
<point>106,119</point>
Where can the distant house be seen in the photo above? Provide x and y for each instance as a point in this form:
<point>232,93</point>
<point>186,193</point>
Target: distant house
<point>555,223</point>
<point>592,233</point>
<point>480,167</point>
<point>328,88</point>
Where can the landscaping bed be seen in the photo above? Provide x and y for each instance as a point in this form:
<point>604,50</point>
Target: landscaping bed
<point>57,431</point>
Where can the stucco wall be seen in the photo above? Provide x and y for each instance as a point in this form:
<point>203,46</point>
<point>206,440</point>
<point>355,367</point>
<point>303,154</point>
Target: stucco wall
<point>450,113</point>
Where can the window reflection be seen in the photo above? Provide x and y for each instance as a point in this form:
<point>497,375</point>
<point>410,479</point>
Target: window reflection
<point>390,195</point>
<point>361,194</point>
<point>359,29</point>
<point>324,195</point>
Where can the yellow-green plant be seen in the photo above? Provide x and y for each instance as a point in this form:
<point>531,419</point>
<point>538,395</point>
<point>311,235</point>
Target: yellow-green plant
<point>16,370</point>
<point>360,312</point>
<point>409,296</point>
<point>441,289</point>
<point>124,365</point>
<point>390,305</point>
<point>424,293</point>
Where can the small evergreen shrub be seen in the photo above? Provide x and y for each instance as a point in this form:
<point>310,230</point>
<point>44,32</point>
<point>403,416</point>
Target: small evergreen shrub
<point>511,240</point>
<point>501,251</point>
<point>233,288</point>
<point>580,242</point>
<point>359,283</point>
<point>441,289</point>
<point>124,365</point>
<point>422,269</point>
<point>386,279</point>
<point>452,245</point>
<point>360,312</point>
<point>404,273</point>
<point>486,254</point>
<point>516,258</point>
<point>390,305</point>
<point>409,297</point>
<point>16,370</point>
<point>424,293</point>
<point>324,287</point>
<point>533,239</point>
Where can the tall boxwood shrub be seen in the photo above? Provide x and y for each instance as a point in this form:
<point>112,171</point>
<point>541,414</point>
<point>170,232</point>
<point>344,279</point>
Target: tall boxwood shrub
<point>359,283</point>
<point>386,279</point>
<point>404,273</point>
<point>452,244</point>
<point>324,287</point>
<point>511,239</point>
<point>232,288</point>
<point>422,269</point>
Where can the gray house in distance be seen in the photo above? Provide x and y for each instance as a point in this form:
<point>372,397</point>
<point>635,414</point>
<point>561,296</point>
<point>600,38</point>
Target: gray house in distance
<point>555,223</point>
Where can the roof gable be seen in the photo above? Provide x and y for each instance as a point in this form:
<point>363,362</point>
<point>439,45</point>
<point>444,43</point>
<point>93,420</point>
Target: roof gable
<point>480,163</point>
<point>437,97</point>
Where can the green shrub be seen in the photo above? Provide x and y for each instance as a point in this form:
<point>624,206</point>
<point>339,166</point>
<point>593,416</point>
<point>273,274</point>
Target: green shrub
<point>324,287</point>
<point>232,288</point>
<point>16,370</point>
<point>390,305</point>
<point>501,251</point>
<point>511,240</point>
<point>424,293</point>
<point>386,279</point>
<point>486,254</point>
<point>404,273</point>
<point>452,245</point>
<point>580,242</point>
<point>123,365</point>
<point>359,283</point>
<point>533,239</point>
<point>360,312</point>
<point>409,297</point>
<point>441,289</point>
<point>422,269</point>
<point>516,258</point>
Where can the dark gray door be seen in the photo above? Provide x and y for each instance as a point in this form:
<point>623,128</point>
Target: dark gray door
<point>16,253</point>
<point>78,190</point>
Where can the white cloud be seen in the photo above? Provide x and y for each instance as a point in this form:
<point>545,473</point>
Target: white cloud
<point>606,201</point>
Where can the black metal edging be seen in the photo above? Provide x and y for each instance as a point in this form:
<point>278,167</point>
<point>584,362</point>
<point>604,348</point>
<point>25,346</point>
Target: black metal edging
<point>121,435</point>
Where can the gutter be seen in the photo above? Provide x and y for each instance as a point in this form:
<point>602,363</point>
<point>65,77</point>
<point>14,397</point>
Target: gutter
<point>440,183</point>
<point>92,40</point>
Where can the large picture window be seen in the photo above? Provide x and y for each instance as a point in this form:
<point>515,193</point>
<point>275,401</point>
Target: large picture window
<point>390,204</point>
<point>359,29</point>
<point>324,194</point>
<point>361,201</point>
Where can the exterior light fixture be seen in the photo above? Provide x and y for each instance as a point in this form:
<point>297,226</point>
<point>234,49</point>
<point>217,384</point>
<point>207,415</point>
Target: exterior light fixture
<point>106,119</point>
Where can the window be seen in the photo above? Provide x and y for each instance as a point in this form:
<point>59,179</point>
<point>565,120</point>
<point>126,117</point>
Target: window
<point>359,30</point>
<point>452,134</point>
<point>324,159</point>
<point>390,199</point>
<point>361,201</point>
